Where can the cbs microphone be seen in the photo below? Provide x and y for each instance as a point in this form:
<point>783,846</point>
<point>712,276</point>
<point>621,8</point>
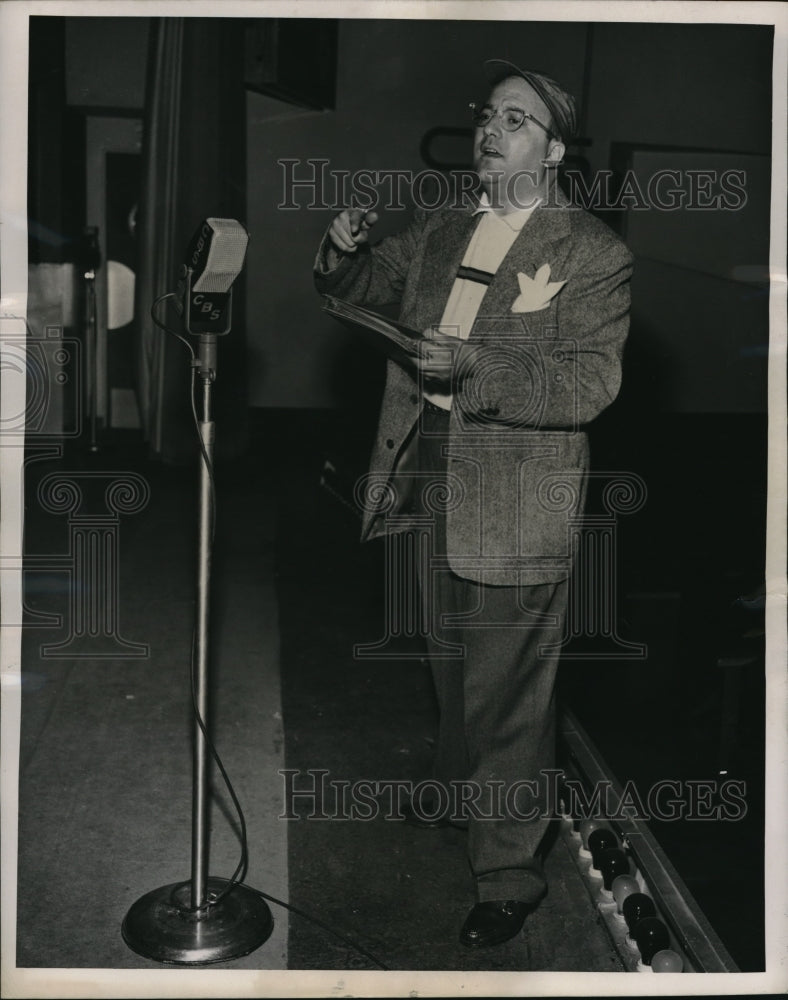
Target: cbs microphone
<point>209,919</point>
<point>214,260</point>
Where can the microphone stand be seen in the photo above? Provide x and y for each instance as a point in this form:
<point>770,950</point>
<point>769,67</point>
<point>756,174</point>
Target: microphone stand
<point>89,261</point>
<point>206,372</point>
<point>91,337</point>
<point>186,923</point>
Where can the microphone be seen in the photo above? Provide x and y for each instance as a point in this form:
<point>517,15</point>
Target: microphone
<point>214,260</point>
<point>210,919</point>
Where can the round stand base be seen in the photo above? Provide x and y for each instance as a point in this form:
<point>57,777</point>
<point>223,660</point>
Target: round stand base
<point>161,925</point>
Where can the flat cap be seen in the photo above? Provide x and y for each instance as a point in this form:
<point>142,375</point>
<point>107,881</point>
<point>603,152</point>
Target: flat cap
<point>561,105</point>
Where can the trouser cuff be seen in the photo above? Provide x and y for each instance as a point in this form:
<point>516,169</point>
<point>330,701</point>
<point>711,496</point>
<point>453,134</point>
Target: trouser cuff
<point>521,884</point>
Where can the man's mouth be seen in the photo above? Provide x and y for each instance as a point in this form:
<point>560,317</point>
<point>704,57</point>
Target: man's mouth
<point>490,151</point>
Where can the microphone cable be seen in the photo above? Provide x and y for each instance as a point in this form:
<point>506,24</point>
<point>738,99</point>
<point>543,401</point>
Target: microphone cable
<point>194,366</point>
<point>243,863</point>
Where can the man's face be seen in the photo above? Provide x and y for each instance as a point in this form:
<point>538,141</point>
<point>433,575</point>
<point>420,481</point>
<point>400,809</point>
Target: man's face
<point>503,160</point>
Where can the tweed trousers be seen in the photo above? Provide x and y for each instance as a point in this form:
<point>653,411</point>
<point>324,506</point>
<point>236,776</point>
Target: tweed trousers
<point>496,695</point>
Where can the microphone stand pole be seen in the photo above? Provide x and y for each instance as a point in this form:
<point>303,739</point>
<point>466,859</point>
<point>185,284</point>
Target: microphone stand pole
<point>89,259</point>
<point>192,923</point>
<point>206,373</point>
<point>91,352</point>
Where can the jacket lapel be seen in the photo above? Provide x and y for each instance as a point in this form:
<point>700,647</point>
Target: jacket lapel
<point>443,255</point>
<point>446,246</point>
<point>534,246</point>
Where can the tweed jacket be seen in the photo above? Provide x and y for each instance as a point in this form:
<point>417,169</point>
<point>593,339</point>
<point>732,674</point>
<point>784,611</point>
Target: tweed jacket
<point>543,358</point>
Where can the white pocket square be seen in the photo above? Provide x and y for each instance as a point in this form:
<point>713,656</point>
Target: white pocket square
<point>536,292</point>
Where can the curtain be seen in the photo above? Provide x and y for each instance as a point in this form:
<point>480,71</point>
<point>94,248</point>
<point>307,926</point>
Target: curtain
<point>194,167</point>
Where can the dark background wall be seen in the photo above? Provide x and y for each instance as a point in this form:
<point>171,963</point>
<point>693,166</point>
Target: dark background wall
<point>699,334</point>
<point>691,419</point>
<point>395,80</point>
<point>105,61</point>
<point>675,86</point>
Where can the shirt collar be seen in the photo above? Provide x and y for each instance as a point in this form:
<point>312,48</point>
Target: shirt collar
<point>514,220</point>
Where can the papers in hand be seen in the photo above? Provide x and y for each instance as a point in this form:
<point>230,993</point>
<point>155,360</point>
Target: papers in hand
<point>400,342</point>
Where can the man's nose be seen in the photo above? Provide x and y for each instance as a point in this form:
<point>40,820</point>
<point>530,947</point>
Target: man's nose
<point>493,126</point>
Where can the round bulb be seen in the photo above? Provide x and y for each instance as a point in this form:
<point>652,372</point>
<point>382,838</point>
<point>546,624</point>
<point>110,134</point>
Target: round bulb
<point>612,863</point>
<point>637,906</point>
<point>623,886</point>
<point>587,826</point>
<point>667,960</point>
<point>652,936</point>
<point>600,840</point>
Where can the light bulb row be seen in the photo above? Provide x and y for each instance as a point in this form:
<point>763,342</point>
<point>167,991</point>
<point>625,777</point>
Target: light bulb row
<point>621,896</point>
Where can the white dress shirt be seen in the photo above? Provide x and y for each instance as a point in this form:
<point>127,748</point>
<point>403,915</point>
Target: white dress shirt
<point>491,241</point>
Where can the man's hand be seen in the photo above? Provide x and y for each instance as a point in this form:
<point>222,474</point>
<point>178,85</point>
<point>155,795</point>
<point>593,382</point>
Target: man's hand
<point>437,356</point>
<point>349,230</point>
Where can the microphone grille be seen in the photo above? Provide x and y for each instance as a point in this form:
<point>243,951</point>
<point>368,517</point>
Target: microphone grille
<point>225,256</point>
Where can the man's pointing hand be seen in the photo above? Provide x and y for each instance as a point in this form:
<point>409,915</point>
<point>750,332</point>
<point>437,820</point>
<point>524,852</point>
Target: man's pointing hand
<point>351,228</point>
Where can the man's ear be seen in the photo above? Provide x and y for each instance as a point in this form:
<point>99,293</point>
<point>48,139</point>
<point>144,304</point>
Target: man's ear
<point>555,153</point>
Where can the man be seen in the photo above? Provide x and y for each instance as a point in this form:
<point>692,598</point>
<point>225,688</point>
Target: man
<point>525,301</point>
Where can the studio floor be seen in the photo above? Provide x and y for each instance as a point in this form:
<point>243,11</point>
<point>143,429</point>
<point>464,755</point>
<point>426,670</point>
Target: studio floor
<point>105,743</point>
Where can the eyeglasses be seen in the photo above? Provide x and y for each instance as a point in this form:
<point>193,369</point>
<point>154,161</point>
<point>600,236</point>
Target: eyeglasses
<point>511,118</point>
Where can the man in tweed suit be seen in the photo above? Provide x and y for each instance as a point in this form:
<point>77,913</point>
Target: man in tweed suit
<point>526,300</point>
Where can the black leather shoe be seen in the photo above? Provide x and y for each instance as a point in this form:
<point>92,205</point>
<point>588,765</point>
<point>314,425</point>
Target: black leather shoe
<point>426,818</point>
<point>493,922</point>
